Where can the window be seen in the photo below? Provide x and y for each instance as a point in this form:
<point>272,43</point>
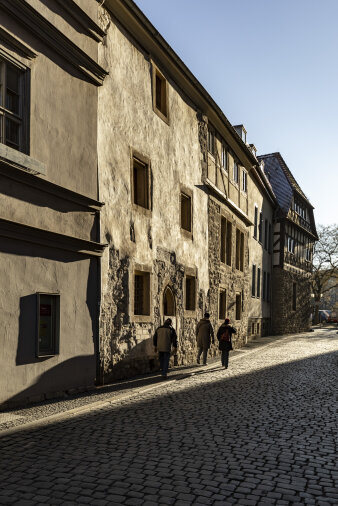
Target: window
<point>255,222</point>
<point>238,306</point>
<point>141,183</point>
<point>222,305</point>
<point>160,94</point>
<point>308,254</point>
<point>294,296</point>
<point>224,158</point>
<point>223,239</point>
<point>264,285</point>
<point>229,243</point>
<point>244,181</point>
<point>235,175</point>
<point>268,287</point>
<point>168,302</point>
<point>258,292</point>
<point>239,250</point>
<point>141,293</point>
<point>211,141</point>
<point>290,244</point>
<point>253,282</point>
<point>186,212</point>
<point>260,227</point>
<point>270,238</point>
<point>48,328</point>
<point>190,293</point>
<point>13,106</point>
<point>266,237</point>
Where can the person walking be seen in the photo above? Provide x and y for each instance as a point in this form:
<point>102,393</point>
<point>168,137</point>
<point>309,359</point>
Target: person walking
<point>164,338</point>
<point>204,335</point>
<point>224,336</point>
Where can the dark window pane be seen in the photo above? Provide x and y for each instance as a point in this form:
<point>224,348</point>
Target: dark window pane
<point>158,93</point>
<point>186,212</point>
<point>12,133</point>
<point>47,324</point>
<point>12,79</point>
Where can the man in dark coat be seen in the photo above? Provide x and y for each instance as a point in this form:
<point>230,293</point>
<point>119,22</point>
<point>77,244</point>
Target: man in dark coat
<point>224,336</point>
<point>204,335</point>
<point>165,337</point>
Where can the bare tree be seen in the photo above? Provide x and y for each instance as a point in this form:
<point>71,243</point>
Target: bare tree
<point>325,264</point>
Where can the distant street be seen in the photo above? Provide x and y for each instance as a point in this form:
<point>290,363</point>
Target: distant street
<point>264,431</point>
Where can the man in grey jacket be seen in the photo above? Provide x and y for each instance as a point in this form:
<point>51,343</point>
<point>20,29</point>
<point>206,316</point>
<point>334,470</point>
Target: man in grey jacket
<point>204,335</point>
<point>165,337</point>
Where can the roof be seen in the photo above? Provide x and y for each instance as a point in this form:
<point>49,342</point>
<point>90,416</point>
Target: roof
<point>281,179</point>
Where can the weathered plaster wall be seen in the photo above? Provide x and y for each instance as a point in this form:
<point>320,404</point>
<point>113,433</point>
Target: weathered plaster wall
<point>152,239</point>
<point>259,309</point>
<point>28,269</point>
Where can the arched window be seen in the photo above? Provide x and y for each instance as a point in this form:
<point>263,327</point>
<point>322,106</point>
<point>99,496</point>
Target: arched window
<point>168,302</point>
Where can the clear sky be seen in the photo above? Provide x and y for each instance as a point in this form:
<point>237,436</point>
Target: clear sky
<point>273,66</point>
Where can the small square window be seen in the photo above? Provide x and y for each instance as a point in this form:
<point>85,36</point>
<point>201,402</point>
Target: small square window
<point>141,183</point>
<point>141,293</point>
<point>48,325</point>
<point>186,212</point>
<point>222,305</point>
<point>190,293</point>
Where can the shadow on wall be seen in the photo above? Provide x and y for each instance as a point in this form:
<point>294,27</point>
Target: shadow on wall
<point>70,375</point>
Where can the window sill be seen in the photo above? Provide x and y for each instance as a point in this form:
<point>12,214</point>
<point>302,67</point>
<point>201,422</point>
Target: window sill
<point>190,313</point>
<point>141,318</point>
<point>186,233</point>
<point>21,160</point>
<point>142,210</point>
<point>161,115</point>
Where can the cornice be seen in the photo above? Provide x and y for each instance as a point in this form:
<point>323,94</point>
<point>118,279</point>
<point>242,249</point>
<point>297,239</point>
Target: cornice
<point>26,233</point>
<point>83,19</point>
<point>52,37</point>
<point>17,173</point>
<point>17,44</point>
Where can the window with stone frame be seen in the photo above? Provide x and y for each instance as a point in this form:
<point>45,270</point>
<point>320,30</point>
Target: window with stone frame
<point>239,250</point>
<point>253,281</point>
<point>236,172</point>
<point>255,222</point>
<point>141,183</point>
<point>238,306</point>
<point>258,291</point>
<point>244,181</point>
<point>190,293</point>
<point>224,157</point>
<point>211,141</point>
<point>222,304</point>
<point>264,285</point>
<point>141,293</point>
<point>160,94</point>
<point>186,212</point>
<point>14,105</point>
<point>48,327</point>
<point>260,228</point>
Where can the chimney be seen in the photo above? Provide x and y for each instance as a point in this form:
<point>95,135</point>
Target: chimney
<point>241,132</point>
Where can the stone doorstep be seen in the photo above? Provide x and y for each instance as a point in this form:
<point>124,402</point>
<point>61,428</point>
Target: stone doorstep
<point>178,372</point>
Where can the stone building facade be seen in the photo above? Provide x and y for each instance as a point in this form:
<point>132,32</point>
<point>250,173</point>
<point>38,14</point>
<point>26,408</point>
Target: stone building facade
<point>294,236</point>
<point>49,208</point>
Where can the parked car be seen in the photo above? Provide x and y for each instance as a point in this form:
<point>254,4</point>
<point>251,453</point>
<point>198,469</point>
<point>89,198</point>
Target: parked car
<point>332,319</point>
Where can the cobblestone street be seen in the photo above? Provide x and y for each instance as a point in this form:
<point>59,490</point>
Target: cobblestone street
<point>264,431</point>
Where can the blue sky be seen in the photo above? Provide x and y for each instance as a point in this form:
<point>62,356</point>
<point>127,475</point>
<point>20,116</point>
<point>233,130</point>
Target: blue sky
<point>273,66</point>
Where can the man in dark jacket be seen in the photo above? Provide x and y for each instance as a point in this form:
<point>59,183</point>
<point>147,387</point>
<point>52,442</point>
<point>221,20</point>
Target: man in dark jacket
<point>165,337</point>
<point>224,336</point>
<point>204,335</point>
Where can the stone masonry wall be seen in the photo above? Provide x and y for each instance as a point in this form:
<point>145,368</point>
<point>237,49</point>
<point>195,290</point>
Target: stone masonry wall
<point>284,319</point>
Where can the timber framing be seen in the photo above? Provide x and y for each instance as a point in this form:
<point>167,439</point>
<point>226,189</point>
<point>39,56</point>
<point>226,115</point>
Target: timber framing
<point>26,233</point>
<point>53,38</point>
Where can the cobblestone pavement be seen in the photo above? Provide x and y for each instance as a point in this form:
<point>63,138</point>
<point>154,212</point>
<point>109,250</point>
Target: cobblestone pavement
<point>264,431</point>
